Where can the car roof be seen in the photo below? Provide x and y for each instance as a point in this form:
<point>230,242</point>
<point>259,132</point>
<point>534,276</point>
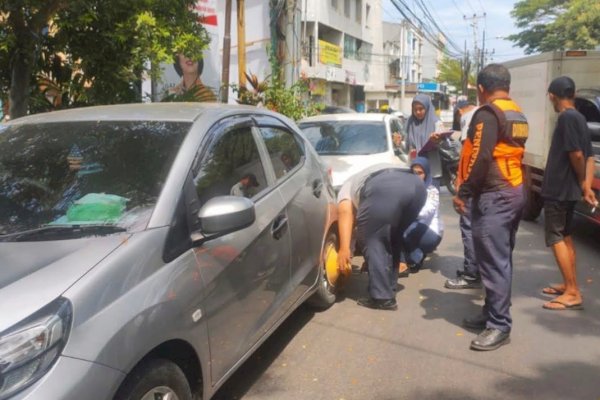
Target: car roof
<point>347,117</point>
<point>176,112</point>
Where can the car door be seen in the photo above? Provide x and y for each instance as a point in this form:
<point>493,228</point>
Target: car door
<point>243,271</point>
<point>300,182</point>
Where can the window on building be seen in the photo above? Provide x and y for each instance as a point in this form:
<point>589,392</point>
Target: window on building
<point>350,47</point>
<point>365,50</point>
<point>347,8</point>
<point>334,4</point>
<point>358,11</point>
<point>367,15</point>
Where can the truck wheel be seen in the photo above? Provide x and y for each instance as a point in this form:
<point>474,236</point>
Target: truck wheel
<point>155,379</point>
<point>533,199</point>
<point>325,295</point>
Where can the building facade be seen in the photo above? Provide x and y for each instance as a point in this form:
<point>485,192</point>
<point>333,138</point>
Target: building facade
<point>412,66</point>
<point>341,40</point>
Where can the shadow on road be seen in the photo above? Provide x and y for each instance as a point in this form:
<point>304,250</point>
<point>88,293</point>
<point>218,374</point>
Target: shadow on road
<point>257,365</point>
<point>450,306</point>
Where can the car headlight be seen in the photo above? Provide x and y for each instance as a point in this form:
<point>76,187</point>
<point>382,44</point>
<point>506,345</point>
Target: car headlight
<point>28,349</point>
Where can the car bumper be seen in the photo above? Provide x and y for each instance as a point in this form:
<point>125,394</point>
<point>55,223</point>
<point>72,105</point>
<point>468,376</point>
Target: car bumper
<point>73,379</point>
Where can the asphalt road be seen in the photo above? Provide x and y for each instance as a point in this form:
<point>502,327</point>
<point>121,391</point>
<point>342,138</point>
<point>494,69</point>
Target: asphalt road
<point>421,351</point>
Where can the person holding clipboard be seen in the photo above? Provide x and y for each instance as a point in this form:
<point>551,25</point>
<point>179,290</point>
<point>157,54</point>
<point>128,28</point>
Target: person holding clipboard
<point>424,132</point>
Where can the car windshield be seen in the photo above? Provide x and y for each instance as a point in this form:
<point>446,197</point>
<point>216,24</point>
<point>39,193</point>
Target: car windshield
<point>56,176</point>
<point>346,137</point>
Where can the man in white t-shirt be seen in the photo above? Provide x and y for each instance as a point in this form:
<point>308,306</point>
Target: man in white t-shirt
<point>382,200</point>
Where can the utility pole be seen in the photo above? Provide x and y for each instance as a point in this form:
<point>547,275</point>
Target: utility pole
<point>241,34</point>
<point>226,54</point>
<point>476,50</point>
<point>466,71</point>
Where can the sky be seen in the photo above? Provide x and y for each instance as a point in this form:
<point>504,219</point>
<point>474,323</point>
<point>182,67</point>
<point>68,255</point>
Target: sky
<point>449,15</point>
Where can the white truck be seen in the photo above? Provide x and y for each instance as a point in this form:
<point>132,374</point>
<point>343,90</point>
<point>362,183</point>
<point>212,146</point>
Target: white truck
<point>530,78</point>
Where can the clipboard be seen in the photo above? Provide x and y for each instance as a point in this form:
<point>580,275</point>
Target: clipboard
<point>432,145</point>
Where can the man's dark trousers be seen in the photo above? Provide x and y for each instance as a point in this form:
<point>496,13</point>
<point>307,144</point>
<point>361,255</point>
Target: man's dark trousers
<point>495,219</point>
<point>389,202</point>
<point>470,264</point>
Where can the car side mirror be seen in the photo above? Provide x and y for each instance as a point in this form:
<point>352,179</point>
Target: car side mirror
<point>222,215</point>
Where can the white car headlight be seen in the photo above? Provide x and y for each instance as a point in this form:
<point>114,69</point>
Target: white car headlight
<point>28,349</point>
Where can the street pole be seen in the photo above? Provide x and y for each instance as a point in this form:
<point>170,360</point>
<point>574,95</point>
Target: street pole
<point>226,54</point>
<point>476,54</point>
<point>241,34</point>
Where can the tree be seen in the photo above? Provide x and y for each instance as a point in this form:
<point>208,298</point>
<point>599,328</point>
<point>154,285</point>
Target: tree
<point>451,72</point>
<point>549,25</point>
<point>94,50</point>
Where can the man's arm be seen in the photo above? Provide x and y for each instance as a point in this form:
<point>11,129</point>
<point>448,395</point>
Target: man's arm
<point>345,225</point>
<point>578,163</point>
<point>588,194</point>
<point>484,137</point>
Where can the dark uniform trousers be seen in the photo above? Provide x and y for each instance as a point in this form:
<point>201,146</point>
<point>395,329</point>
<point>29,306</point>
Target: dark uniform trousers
<point>470,264</point>
<point>495,220</point>
<point>390,201</point>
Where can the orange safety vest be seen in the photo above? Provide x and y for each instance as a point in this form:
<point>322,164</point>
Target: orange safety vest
<point>510,146</point>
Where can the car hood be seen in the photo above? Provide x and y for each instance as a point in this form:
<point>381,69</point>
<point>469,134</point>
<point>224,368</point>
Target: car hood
<point>343,167</point>
<point>32,274</point>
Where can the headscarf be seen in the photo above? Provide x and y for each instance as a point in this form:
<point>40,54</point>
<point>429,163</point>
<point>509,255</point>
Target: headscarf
<point>419,131</point>
<point>424,163</point>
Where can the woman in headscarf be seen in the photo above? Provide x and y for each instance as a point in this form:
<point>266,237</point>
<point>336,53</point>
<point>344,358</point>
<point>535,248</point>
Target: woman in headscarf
<point>425,234</point>
<point>421,127</point>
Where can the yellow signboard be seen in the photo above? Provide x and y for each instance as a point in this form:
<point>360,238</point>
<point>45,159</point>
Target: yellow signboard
<point>330,54</point>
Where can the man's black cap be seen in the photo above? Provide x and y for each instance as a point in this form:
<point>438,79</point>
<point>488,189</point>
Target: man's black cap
<point>562,87</point>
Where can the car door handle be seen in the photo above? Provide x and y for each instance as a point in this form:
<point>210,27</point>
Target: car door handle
<point>278,227</point>
<point>317,187</point>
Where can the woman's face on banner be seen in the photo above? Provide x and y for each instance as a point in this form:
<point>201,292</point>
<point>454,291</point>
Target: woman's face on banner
<point>188,66</point>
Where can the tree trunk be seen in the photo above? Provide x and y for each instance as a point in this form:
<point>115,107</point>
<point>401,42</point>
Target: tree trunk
<point>19,85</point>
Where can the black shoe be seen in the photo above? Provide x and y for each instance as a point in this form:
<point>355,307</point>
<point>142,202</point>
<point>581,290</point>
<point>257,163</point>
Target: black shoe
<point>414,268</point>
<point>476,322</point>
<point>463,281</point>
<point>490,339</point>
<point>403,274</point>
<point>377,304</point>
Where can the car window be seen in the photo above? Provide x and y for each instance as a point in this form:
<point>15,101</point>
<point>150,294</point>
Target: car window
<point>284,150</point>
<point>68,174</point>
<point>231,166</point>
<point>346,137</point>
<point>395,126</point>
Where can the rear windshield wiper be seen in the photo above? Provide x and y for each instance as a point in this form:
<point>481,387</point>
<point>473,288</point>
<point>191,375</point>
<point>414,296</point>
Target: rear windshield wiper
<point>61,232</point>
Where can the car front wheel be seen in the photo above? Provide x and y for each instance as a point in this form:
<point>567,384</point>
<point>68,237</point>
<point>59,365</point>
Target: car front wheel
<point>155,379</point>
<point>325,295</point>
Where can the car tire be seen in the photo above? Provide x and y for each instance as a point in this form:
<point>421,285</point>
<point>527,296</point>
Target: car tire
<point>451,183</point>
<point>325,295</point>
<point>152,378</point>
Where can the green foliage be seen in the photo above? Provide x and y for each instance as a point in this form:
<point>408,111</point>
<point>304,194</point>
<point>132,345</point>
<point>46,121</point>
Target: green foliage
<point>451,71</point>
<point>271,93</point>
<point>549,25</point>
<point>109,45</point>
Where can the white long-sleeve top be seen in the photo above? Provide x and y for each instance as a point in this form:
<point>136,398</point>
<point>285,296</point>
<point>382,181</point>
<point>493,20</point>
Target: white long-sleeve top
<point>430,213</point>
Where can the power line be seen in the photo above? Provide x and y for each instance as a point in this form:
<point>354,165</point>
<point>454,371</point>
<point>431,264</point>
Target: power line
<point>425,29</point>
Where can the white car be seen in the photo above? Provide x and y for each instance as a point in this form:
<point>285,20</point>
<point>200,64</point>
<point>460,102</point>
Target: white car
<point>349,143</point>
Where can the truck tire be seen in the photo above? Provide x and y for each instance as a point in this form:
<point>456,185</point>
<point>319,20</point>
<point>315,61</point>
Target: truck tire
<point>533,200</point>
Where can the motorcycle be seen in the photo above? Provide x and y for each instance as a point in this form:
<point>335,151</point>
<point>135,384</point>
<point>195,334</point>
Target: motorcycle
<point>449,150</point>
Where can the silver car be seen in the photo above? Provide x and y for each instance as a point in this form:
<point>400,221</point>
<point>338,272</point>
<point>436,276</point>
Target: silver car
<point>147,250</point>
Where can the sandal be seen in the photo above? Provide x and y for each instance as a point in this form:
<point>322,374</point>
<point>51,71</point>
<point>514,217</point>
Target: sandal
<point>551,290</point>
